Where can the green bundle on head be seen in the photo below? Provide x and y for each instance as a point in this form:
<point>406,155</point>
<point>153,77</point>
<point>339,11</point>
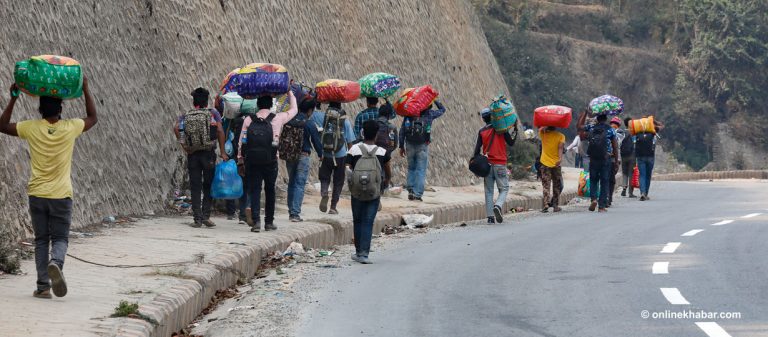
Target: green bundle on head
<point>503,116</point>
<point>380,85</point>
<point>50,75</point>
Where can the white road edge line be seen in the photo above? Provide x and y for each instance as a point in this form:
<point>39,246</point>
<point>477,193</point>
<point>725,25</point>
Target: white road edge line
<point>674,296</point>
<point>712,329</point>
<point>660,268</point>
<point>751,215</point>
<point>671,247</point>
<point>724,222</point>
<point>692,232</point>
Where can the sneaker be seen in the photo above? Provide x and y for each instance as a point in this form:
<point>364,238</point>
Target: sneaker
<point>256,227</point>
<point>58,284</point>
<point>42,294</point>
<point>333,211</point>
<point>497,213</point>
<point>364,260</point>
<point>632,195</point>
<point>417,199</point>
<point>491,220</point>
<point>545,210</point>
<point>602,210</point>
<point>196,224</point>
<point>608,205</point>
<point>295,218</point>
<point>557,209</point>
<point>355,257</point>
<point>208,223</point>
<point>269,227</point>
<point>242,221</point>
<point>249,217</point>
<point>647,197</point>
<point>230,217</point>
<point>324,204</point>
<point>410,196</point>
<point>642,198</point>
<point>624,192</point>
<point>593,205</point>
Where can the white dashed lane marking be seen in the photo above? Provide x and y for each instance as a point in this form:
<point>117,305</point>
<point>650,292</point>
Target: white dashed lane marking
<point>661,268</point>
<point>674,296</point>
<point>724,222</point>
<point>670,247</point>
<point>712,329</point>
<point>751,215</point>
<point>693,232</point>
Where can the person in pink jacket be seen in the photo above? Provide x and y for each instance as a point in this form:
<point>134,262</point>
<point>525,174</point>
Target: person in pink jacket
<point>258,156</point>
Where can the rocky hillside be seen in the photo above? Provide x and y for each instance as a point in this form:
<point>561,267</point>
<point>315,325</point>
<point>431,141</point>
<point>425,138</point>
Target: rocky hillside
<point>143,58</point>
<point>697,65</point>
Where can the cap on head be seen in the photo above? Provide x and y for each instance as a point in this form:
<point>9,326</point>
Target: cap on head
<point>616,120</point>
<point>485,112</point>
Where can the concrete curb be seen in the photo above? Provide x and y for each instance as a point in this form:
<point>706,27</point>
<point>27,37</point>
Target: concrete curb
<point>177,307</point>
<point>713,175</point>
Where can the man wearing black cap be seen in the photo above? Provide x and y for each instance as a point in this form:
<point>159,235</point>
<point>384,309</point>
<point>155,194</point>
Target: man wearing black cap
<point>51,144</point>
<point>198,131</point>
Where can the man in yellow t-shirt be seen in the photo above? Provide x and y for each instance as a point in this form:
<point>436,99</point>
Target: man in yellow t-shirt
<point>51,143</point>
<point>552,145</point>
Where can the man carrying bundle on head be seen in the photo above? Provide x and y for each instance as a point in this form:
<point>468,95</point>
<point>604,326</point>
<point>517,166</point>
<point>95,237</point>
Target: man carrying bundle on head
<point>259,139</point>
<point>603,156</point>
<point>51,144</point>
<point>494,146</point>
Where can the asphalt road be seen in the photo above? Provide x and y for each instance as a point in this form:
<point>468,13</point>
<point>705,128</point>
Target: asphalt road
<point>570,274</point>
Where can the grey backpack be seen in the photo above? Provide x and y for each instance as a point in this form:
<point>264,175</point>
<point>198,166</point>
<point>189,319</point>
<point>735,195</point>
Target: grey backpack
<point>365,183</point>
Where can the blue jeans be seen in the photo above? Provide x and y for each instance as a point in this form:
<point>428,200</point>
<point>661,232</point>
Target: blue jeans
<point>599,180</point>
<point>363,215</point>
<point>51,219</point>
<point>418,160</point>
<point>298,173</point>
<point>645,166</point>
<point>498,177</point>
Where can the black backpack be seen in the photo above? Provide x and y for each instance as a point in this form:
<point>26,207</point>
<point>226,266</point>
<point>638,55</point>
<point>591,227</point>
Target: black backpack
<point>259,149</point>
<point>332,134</point>
<point>416,130</point>
<point>627,147</point>
<point>644,146</point>
<point>386,138</point>
<point>598,142</point>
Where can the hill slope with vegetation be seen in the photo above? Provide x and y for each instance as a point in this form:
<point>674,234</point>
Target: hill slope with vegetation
<point>696,64</point>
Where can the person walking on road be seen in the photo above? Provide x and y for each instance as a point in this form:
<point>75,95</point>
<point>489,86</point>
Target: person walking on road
<point>415,136</point>
<point>371,112</point>
<point>645,148</point>
<point>259,139</point>
<point>552,144</point>
<point>603,157</point>
<point>494,145</point>
<point>628,162</point>
<point>51,142</point>
<point>368,166</point>
<point>198,131</point>
<point>620,136</point>
<point>336,135</point>
<point>298,138</point>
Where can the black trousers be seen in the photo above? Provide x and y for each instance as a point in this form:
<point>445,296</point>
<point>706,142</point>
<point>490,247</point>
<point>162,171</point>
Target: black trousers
<point>257,175</point>
<point>332,167</point>
<point>201,165</point>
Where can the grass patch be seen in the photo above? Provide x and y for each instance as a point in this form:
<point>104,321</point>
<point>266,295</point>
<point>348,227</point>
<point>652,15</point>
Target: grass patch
<point>131,310</point>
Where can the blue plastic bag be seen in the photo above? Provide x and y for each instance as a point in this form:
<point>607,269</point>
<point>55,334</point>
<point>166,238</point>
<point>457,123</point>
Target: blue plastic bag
<point>227,184</point>
<point>228,147</point>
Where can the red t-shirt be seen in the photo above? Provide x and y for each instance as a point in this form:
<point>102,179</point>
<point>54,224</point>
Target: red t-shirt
<point>497,154</point>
